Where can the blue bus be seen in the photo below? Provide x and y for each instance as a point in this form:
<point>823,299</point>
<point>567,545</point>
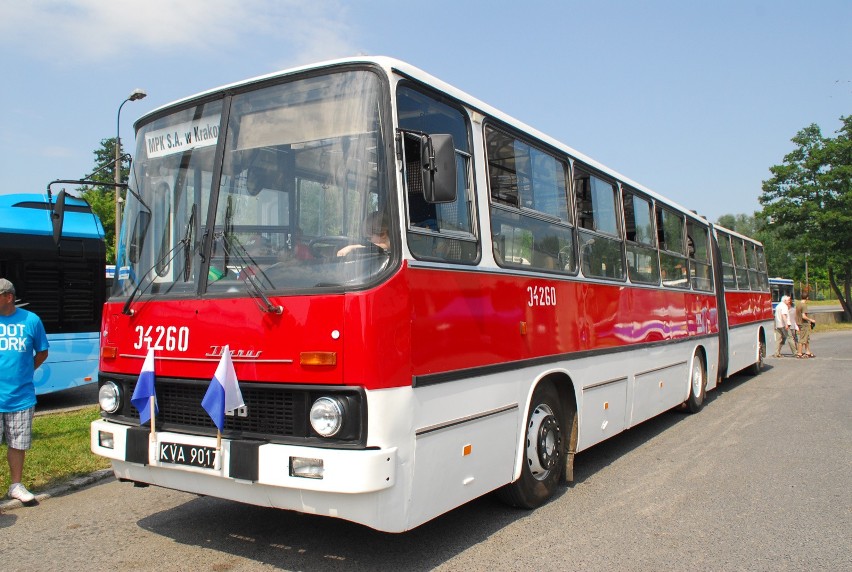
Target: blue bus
<point>60,278</point>
<point>780,287</point>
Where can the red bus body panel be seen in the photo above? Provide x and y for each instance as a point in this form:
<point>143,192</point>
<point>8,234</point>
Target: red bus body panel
<point>747,307</point>
<point>456,320</point>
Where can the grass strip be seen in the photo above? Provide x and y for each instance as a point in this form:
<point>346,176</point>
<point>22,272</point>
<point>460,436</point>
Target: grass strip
<point>60,451</point>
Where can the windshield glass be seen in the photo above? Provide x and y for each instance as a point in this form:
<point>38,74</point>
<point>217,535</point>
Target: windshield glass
<point>301,200</point>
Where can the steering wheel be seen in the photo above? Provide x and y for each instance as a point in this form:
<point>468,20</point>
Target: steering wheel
<point>370,248</point>
<point>318,247</point>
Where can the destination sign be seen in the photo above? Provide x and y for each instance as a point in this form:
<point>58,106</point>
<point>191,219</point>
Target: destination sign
<point>182,137</point>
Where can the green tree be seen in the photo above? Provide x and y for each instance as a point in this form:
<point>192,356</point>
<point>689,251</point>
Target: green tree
<point>782,258</point>
<point>741,223</point>
<point>102,198</point>
<point>808,200</point>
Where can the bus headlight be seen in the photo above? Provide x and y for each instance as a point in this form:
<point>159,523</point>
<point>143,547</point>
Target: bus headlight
<point>327,416</point>
<point>109,397</point>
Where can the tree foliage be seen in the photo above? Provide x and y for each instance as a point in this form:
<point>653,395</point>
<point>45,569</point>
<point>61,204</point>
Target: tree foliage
<point>741,223</point>
<point>808,202</point>
<point>102,198</point>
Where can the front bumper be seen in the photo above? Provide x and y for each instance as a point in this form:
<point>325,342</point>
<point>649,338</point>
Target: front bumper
<point>137,456</point>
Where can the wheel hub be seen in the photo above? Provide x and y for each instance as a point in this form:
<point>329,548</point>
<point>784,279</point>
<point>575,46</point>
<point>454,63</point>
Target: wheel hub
<point>544,442</point>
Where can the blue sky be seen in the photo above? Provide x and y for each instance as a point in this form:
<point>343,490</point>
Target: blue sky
<point>693,99</point>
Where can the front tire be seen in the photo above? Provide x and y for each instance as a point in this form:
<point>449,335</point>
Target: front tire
<point>697,384</point>
<point>544,452</point>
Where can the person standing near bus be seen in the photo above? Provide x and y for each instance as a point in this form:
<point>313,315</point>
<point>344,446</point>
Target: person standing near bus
<point>805,324</point>
<point>794,329</point>
<point>23,348</point>
<point>782,327</point>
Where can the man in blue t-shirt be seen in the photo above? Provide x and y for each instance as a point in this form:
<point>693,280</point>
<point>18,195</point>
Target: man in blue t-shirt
<point>23,348</point>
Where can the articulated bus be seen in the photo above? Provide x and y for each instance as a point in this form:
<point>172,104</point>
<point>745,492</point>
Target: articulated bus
<point>62,282</point>
<point>424,299</point>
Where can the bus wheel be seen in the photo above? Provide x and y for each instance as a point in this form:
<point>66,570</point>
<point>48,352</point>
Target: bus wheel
<point>757,366</point>
<point>544,453</point>
<point>697,385</point>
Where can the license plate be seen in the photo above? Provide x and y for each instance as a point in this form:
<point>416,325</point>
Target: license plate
<point>192,455</point>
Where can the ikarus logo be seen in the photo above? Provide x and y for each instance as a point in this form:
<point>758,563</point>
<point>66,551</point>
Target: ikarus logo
<point>216,351</point>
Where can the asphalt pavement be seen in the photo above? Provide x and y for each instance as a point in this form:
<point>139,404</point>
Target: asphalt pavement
<point>758,481</point>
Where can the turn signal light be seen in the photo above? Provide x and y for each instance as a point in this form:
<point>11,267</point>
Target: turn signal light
<point>109,352</point>
<point>318,358</point>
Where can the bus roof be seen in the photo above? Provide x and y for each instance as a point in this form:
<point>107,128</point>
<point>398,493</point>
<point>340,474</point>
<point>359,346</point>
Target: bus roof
<point>391,66</point>
<point>738,235</point>
<point>29,213</point>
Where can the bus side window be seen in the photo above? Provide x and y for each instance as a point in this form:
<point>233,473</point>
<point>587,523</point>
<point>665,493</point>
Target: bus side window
<point>420,213</point>
<point>583,195</point>
<point>754,272</point>
<point>437,231</point>
<point>728,274</point>
<point>673,260</point>
<point>529,204</point>
<point>741,264</point>
<point>643,265</point>
<point>601,247</point>
<point>761,268</point>
<point>700,267</point>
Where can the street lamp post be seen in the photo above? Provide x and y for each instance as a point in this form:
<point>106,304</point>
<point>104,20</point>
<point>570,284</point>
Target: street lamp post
<point>137,94</point>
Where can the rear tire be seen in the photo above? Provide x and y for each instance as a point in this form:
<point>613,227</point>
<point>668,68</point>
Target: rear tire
<point>544,452</point>
<point>697,384</point>
<point>756,367</point>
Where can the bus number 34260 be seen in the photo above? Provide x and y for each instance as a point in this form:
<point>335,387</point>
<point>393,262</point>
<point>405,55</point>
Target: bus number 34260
<point>541,296</point>
<point>167,338</point>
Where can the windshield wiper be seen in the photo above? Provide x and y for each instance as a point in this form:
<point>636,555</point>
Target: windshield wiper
<point>163,260</point>
<point>249,274</point>
<point>187,240</point>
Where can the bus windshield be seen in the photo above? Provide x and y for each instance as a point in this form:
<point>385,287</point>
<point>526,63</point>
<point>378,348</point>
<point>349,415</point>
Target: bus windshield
<point>298,200</point>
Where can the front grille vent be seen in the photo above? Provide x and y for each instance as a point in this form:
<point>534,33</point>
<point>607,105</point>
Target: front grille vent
<point>272,410</point>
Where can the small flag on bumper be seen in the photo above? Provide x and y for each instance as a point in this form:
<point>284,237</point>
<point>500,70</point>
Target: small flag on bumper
<point>223,394</point>
<point>144,391</point>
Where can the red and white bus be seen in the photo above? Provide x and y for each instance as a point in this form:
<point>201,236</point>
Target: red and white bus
<point>425,300</point>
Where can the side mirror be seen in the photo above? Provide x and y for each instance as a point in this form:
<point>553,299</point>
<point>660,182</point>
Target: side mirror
<point>57,217</point>
<point>438,164</point>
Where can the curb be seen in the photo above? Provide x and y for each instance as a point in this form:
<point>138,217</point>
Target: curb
<point>62,489</point>
<point>40,412</point>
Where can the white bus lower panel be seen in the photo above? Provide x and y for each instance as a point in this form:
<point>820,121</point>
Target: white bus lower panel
<point>743,345</point>
<point>338,482</point>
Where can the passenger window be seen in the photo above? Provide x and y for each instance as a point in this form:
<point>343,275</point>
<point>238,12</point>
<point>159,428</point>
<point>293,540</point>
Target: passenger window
<point>728,274</point>
<point>601,248</point>
<point>673,263</point>
<point>595,204</point>
<point>740,263</point>
<point>697,246</point>
<point>643,265</point>
<point>445,231</point>
<point>530,218</point>
<point>761,268</point>
<point>754,272</point>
